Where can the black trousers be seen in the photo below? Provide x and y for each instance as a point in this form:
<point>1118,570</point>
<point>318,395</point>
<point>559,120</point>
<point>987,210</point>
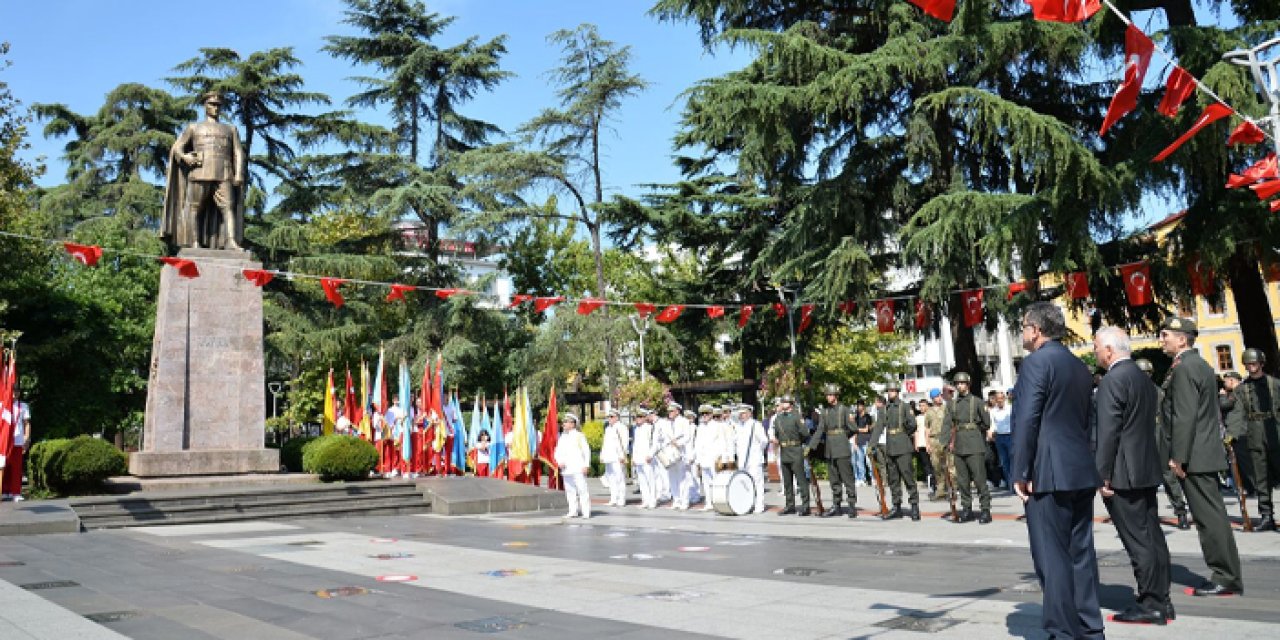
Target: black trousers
<point>793,474</point>
<point>1134,514</point>
<point>1217,542</point>
<point>1060,526</point>
<point>840,471</point>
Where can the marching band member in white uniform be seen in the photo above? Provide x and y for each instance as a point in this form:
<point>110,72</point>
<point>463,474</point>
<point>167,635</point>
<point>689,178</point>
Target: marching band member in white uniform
<point>573,455</point>
<point>751,441</point>
<point>613,453</point>
<point>642,463</point>
<point>707,448</point>
<point>675,433</point>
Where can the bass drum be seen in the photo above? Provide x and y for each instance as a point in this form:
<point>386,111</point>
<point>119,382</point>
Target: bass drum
<point>733,493</point>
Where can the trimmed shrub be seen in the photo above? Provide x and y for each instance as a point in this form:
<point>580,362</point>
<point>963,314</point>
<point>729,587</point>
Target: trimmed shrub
<point>41,460</point>
<point>82,465</point>
<point>338,457</point>
<point>594,431</point>
<point>291,453</point>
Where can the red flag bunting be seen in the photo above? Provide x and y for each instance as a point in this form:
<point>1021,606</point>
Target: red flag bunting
<point>186,268</point>
<point>1275,206</point>
<point>330,286</point>
<point>1064,10</point>
<point>1015,289</point>
<point>542,304</point>
<point>259,277</point>
<point>847,307</point>
<point>1263,169</point>
<point>744,314</point>
<point>806,317</point>
<point>445,294</point>
<point>1266,189</point>
<point>922,315</point>
<point>398,291</point>
<point>1077,285</point>
<point>1202,278</point>
<point>86,254</point>
<point>941,9</point>
<point>1137,51</point>
<point>1246,133</point>
<point>884,316</point>
<point>973,309</point>
<point>780,309</point>
<point>1177,89</point>
<point>670,313</point>
<point>587,306</point>
<point>715,311</point>
<point>645,309</point>
<point>519,299</point>
<point>1211,114</point>
<point>1137,283</point>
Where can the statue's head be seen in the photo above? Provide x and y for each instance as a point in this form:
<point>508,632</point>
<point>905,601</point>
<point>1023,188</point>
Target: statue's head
<point>212,102</point>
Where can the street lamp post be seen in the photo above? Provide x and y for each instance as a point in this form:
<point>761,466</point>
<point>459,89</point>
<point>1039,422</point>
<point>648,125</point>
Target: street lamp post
<point>641,328</point>
<point>1267,79</point>
<point>276,388</point>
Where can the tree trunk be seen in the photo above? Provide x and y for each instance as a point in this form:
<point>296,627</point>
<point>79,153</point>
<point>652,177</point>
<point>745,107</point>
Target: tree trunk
<point>1253,310</point>
<point>610,357</point>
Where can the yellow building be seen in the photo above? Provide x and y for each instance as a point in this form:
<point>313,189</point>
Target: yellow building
<point>1219,341</point>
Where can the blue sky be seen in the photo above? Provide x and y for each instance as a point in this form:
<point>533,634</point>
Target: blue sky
<point>75,51</point>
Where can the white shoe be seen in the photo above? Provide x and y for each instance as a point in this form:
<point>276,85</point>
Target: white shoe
<point>707,508</point>
<point>18,498</point>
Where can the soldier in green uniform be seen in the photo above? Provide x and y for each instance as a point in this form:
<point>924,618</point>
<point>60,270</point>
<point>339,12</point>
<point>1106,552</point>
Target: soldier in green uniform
<point>897,424</point>
<point>835,427</point>
<point>787,432</point>
<point>1172,486</point>
<point>1189,408</point>
<point>1259,398</point>
<point>967,416</point>
<point>944,474</point>
<point>1234,432</point>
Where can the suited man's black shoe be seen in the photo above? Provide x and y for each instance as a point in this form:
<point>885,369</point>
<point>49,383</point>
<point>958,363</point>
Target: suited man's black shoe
<point>1138,615</point>
<point>803,511</point>
<point>788,511</point>
<point>895,513</point>
<point>853,512</point>
<point>915,512</point>
<point>965,515</point>
<point>1212,590</point>
<point>1268,523</point>
<point>833,511</point>
<point>1183,522</point>
<point>1169,613</point>
<point>985,518</point>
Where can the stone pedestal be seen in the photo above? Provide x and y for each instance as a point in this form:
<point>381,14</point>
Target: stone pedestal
<point>206,398</point>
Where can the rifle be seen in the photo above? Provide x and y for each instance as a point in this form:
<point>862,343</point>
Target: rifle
<point>1235,473</point>
<point>875,472</point>
<point>949,456</point>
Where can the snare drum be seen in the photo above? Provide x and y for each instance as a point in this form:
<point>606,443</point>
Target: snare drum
<point>668,455</point>
<point>733,493</point>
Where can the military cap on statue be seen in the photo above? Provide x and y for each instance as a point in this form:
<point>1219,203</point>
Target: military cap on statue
<point>211,96</point>
<point>1185,325</point>
<point>960,377</point>
<point>1253,355</point>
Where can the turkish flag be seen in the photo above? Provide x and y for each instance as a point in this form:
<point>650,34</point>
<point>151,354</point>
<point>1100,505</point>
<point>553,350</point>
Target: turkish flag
<point>1137,54</point>
<point>780,309</point>
<point>1263,169</point>
<point>445,294</point>
<point>186,268</point>
<point>884,316</point>
<point>1177,89</point>
<point>644,309</point>
<point>744,314</point>
<point>670,313</point>
<point>519,299</point>
<point>847,307</point>
<point>398,291</point>
<point>1211,114</point>
<point>715,311</point>
<point>1202,278</point>
<point>86,254</point>
<point>542,304</point>
<point>922,315</point>
<point>587,306</point>
<point>1137,283</point>
<point>1275,206</point>
<point>1015,289</point>
<point>259,277</point>
<point>330,286</point>
<point>1266,189</point>
<point>1077,285</point>
<point>972,304</point>
<point>1064,10</point>
<point>941,9</point>
<point>1246,133</point>
<point>806,317</point>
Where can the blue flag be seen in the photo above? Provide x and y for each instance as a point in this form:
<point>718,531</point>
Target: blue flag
<point>499,447</point>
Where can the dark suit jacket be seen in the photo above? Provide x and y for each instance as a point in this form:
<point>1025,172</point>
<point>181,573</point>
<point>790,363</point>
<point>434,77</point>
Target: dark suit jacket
<point>1190,413</point>
<point>1051,437</point>
<point>1126,409</point>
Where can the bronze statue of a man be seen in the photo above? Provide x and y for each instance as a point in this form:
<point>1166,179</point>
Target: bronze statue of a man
<point>204,184</point>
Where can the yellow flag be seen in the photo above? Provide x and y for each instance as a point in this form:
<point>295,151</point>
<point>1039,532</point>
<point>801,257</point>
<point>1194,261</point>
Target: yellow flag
<point>330,407</point>
<point>519,448</point>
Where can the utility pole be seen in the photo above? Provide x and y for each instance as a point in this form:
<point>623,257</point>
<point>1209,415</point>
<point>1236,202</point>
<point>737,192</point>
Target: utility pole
<point>641,328</point>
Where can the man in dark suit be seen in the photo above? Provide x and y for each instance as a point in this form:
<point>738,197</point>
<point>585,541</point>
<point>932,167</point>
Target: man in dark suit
<point>1196,454</point>
<point>1130,468</point>
<point>1054,474</point>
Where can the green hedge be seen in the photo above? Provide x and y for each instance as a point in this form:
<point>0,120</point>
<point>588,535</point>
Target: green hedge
<point>73,466</point>
<point>338,457</point>
<point>291,453</point>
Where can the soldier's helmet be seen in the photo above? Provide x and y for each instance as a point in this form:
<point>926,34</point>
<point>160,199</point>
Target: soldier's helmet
<point>961,377</point>
<point>1145,365</point>
<point>1253,355</point>
<point>893,386</point>
<point>831,389</point>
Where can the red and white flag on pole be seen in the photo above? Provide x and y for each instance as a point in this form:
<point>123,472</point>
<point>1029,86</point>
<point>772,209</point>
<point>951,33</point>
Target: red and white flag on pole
<point>1211,114</point>
<point>330,286</point>
<point>1246,133</point>
<point>1264,169</point>
<point>1064,10</point>
<point>1178,88</point>
<point>398,291</point>
<point>1137,283</point>
<point>941,9</point>
<point>1077,285</point>
<point>585,307</point>
<point>884,316</point>
<point>186,268</point>
<point>744,314</point>
<point>670,313</point>
<point>971,301</point>
<point>1137,53</point>
<point>86,254</point>
<point>806,317</point>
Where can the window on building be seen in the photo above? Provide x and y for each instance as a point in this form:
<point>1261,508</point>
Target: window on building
<point>1186,308</point>
<point>1225,362</point>
<point>1216,304</point>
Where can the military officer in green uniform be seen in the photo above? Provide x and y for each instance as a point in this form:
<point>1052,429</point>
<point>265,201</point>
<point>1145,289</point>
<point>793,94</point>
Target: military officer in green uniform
<point>788,434</point>
<point>1259,398</point>
<point>1189,408</point>
<point>967,416</point>
<point>897,424</point>
<point>1172,486</point>
<point>835,427</point>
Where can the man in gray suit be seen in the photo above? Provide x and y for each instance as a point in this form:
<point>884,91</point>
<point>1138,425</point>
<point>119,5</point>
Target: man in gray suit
<point>1130,468</point>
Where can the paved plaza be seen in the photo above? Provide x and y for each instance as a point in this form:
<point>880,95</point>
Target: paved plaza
<point>625,573</point>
